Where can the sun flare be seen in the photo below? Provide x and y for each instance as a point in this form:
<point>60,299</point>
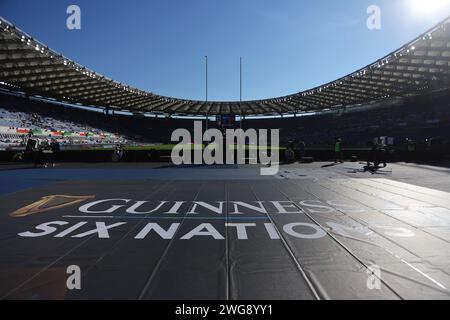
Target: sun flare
<point>427,7</point>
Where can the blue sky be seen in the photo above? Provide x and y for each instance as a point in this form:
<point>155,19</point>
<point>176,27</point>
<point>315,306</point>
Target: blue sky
<point>287,45</point>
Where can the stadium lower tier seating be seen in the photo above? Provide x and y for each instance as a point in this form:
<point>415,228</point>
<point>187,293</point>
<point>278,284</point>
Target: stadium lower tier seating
<point>424,120</point>
<point>18,121</point>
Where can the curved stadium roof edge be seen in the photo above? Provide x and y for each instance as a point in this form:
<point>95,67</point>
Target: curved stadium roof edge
<point>28,65</point>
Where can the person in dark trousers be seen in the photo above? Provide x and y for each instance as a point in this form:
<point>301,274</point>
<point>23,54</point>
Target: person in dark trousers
<point>290,153</point>
<point>378,155</point>
<point>40,157</point>
<point>47,153</point>
<point>301,150</point>
<point>118,153</point>
<point>55,148</point>
<point>382,155</point>
<point>372,155</point>
<point>411,146</point>
<point>338,151</point>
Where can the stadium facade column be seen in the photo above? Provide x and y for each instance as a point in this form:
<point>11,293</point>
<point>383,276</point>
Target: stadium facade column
<point>206,78</point>
<point>240,81</point>
<point>240,92</point>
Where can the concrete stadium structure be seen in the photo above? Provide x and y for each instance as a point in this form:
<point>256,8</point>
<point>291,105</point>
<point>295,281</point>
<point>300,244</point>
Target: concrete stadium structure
<point>27,65</point>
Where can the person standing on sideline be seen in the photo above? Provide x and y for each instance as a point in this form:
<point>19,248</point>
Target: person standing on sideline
<point>55,148</point>
<point>301,149</point>
<point>411,150</point>
<point>338,151</point>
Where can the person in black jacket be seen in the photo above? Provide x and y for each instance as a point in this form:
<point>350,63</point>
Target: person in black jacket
<point>54,148</point>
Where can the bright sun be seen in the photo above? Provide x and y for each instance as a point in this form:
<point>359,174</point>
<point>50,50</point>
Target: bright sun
<point>426,7</point>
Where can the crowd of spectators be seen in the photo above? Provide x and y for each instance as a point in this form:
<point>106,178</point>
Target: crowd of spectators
<point>423,121</point>
<point>19,121</point>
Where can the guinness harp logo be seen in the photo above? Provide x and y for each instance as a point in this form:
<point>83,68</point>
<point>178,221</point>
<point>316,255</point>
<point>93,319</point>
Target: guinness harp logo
<point>49,203</point>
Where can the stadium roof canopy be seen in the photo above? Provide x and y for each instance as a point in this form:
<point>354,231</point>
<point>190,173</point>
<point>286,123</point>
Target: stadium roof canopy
<point>29,66</point>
